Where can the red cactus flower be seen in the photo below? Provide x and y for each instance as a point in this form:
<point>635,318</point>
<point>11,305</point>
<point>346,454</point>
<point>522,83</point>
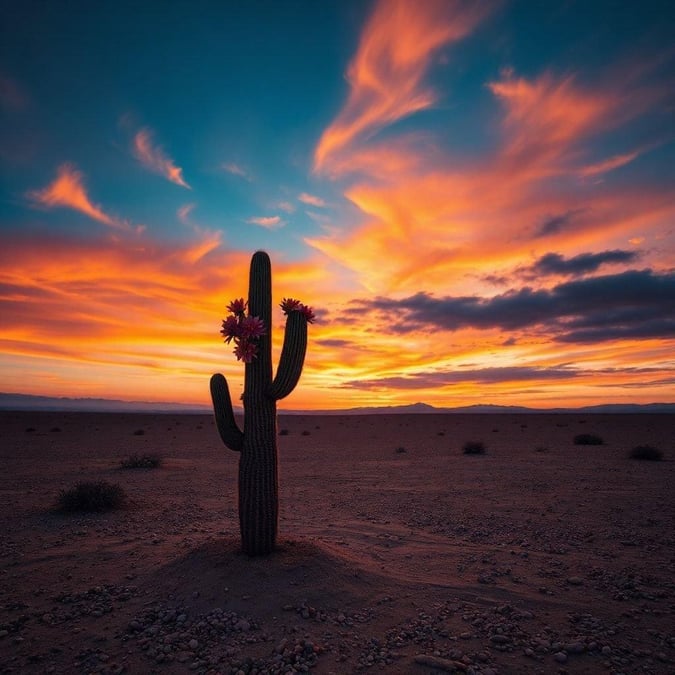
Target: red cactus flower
<point>290,304</point>
<point>252,327</point>
<point>308,312</point>
<point>230,329</point>
<point>237,307</point>
<point>245,351</point>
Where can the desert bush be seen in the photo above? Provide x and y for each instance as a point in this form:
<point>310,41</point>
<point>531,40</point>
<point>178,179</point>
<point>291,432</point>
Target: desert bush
<point>648,452</point>
<point>141,462</point>
<point>541,448</point>
<point>283,432</point>
<point>400,450</point>
<point>305,433</point>
<point>98,496</point>
<point>473,448</point>
<point>587,439</point>
<point>139,432</point>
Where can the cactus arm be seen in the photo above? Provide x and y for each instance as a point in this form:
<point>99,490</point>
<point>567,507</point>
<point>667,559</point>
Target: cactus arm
<point>292,356</point>
<point>222,407</point>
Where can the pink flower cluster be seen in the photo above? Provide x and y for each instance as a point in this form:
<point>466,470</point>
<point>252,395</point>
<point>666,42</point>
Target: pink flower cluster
<point>292,305</point>
<point>244,330</point>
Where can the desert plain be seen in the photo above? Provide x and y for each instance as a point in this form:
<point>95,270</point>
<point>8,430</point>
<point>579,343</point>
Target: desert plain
<point>397,552</point>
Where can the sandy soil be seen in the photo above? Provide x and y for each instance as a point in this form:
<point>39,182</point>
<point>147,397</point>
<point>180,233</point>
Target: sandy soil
<point>399,554</point>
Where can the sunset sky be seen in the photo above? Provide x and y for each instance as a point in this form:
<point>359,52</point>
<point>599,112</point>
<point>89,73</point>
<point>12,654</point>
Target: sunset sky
<point>476,198</point>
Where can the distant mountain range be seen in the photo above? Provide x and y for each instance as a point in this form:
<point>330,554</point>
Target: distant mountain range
<point>48,403</point>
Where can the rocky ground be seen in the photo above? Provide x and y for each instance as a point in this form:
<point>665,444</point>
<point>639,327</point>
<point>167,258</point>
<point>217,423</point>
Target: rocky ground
<point>398,553</point>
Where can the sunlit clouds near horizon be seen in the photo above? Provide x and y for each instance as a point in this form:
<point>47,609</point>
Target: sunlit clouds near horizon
<point>476,198</point>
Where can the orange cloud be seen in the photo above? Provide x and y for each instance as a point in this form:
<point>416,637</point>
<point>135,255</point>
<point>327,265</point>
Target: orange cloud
<point>386,75</point>
<point>139,321</point>
<point>546,117</point>
<point>154,158</point>
<point>68,191</point>
<point>209,240</point>
<point>269,222</point>
<point>610,164</point>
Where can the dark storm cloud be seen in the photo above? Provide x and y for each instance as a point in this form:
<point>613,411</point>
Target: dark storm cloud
<point>554,263</point>
<point>636,304</point>
<point>431,379</point>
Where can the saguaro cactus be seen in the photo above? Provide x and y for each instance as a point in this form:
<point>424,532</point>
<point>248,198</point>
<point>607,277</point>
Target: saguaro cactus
<point>257,443</point>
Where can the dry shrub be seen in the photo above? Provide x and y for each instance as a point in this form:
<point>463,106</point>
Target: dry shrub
<point>96,496</point>
<point>474,448</point>
<point>141,462</point>
<point>648,452</point>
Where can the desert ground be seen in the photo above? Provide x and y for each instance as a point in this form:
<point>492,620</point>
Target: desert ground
<point>398,553</point>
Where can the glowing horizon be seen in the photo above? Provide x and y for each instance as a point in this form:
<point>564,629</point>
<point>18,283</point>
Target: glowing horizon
<point>475,215</point>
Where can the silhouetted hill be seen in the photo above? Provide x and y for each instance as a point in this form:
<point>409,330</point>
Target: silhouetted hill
<point>10,401</point>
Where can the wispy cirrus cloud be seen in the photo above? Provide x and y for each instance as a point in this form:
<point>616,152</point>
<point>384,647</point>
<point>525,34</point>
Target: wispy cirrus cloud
<point>311,200</point>
<point>610,164</point>
<point>268,222</point>
<point>207,240</point>
<point>68,191</point>
<point>415,195</point>
<point>236,170</point>
<point>154,158</point>
<point>546,117</point>
<point>386,76</point>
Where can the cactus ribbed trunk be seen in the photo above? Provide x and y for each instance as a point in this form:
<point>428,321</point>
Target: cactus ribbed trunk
<point>258,478</point>
<point>258,473</point>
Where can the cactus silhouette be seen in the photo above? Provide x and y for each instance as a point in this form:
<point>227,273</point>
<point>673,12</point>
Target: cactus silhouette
<point>257,443</point>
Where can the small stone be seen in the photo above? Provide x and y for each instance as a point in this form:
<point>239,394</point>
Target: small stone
<point>560,657</point>
<point>575,648</point>
<point>575,581</point>
<point>193,644</point>
<point>606,650</point>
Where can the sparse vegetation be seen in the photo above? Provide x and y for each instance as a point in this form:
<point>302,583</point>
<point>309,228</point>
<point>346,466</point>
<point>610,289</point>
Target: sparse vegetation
<point>96,496</point>
<point>473,448</point>
<point>647,452</point>
<point>305,433</point>
<point>141,462</point>
<point>541,448</point>
<point>283,432</point>
<point>587,439</point>
<point>139,432</point>
<point>400,450</point>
